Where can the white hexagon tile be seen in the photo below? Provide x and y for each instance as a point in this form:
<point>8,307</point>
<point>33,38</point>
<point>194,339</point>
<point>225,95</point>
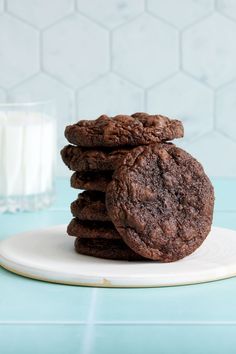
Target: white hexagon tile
<point>40,13</point>
<point>211,150</point>
<point>111,13</point>
<point>120,56</point>
<point>1,5</point>
<point>110,95</point>
<point>226,110</point>
<point>19,51</point>
<point>209,50</point>
<point>183,13</point>
<point>2,96</point>
<point>75,50</point>
<point>145,50</point>
<point>227,7</point>
<point>187,99</point>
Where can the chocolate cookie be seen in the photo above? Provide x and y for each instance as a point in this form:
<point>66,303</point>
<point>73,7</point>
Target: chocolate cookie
<point>96,181</point>
<point>161,202</point>
<point>92,229</point>
<point>121,130</point>
<point>90,205</point>
<point>109,249</point>
<point>85,159</point>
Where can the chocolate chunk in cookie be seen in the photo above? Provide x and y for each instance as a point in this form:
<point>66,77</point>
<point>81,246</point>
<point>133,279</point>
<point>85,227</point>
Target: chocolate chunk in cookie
<point>161,202</point>
<point>108,249</point>
<point>121,130</point>
<point>92,229</point>
<point>96,181</point>
<point>85,159</point>
<point>90,205</point>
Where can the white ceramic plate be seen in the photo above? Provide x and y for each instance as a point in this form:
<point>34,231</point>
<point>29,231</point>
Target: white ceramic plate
<point>49,255</point>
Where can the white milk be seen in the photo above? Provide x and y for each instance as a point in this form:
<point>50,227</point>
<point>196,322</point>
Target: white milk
<point>27,153</point>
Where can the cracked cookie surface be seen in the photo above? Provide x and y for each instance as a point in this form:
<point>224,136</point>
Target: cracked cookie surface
<point>161,202</point>
<point>122,130</point>
<point>85,159</point>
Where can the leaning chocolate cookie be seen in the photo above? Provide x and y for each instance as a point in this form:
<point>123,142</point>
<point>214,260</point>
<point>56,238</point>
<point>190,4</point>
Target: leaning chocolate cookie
<point>122,130</point>
<point>161,202</point>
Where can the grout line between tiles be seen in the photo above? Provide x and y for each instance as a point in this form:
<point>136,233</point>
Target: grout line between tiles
<point>40,42</point>
<point>162,81</point>
<point>89,332</point>
<point>199,20</point>
<point>161,19</point>
<point>226,135</point>
<point>214,113</point>
<point>145,100</point>
<point>9,13</point>
<point>180,50</point>
<point>228,17</point>
<point>91,19</point>
<point>146,6</point>
<point>110,46</point>
<point>4,6</point>
<point>22,82</point>
<point>60,19</point>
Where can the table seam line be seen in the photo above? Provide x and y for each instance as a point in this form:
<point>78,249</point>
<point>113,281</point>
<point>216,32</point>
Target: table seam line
<point>92,323</point>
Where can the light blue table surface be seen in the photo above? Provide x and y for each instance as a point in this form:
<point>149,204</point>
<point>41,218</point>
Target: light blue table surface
<point>38,317</point>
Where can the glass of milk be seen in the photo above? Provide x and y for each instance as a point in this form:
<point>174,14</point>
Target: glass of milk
<point>27,155</point>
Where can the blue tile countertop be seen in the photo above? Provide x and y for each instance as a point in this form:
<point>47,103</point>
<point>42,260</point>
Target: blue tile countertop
<point>38,317</point>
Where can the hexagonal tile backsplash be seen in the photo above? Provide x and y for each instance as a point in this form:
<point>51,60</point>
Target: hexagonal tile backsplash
<point>120,56</point>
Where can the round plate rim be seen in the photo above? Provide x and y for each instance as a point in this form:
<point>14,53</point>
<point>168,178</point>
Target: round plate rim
<point>102,281</point>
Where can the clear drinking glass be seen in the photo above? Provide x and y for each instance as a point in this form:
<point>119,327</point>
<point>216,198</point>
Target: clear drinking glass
<point>27,155</point>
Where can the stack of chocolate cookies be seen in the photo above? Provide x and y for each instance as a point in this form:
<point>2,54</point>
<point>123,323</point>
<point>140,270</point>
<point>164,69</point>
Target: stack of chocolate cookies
<point>144,198</point>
